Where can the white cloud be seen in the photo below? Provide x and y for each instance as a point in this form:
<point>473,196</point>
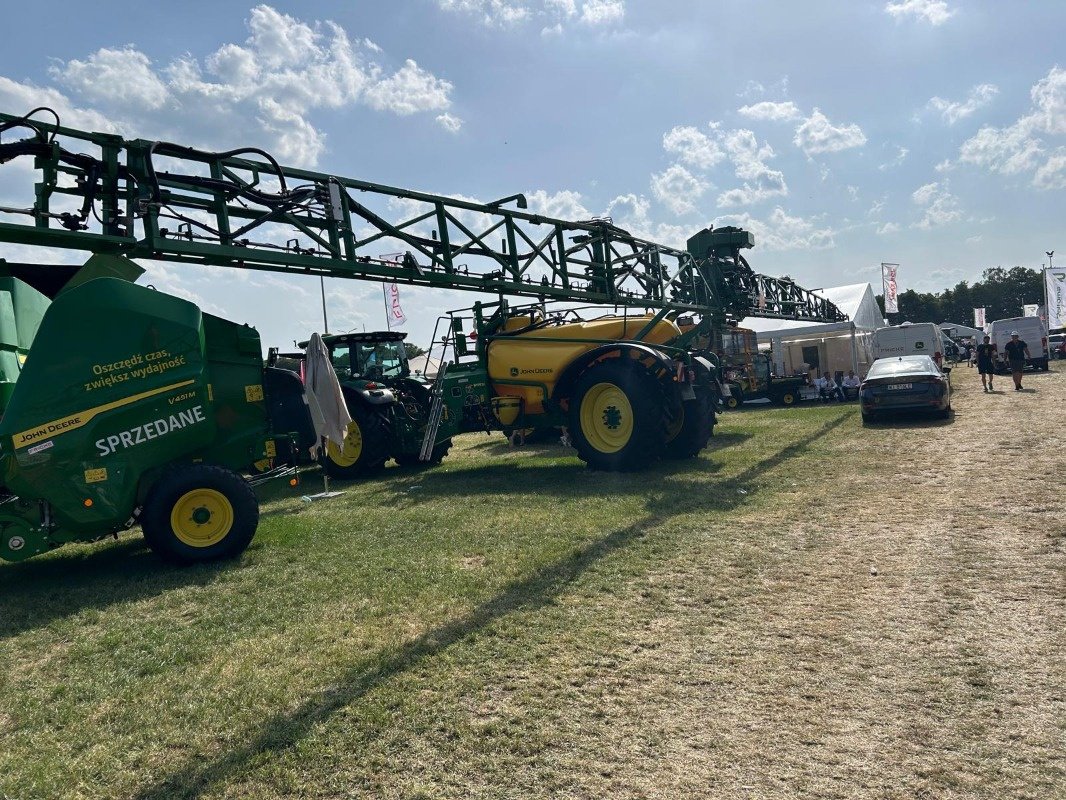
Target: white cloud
<point>449,122</point>
<point>553,15</point>
<point>785,111</point>
<point>677,189</point>
<point>901,156</point>
<point>703,151</point>
<point>261,92</point>
<point>491,12</point>
<point>409,90</point>
<point>1052,175</point>
<point>563,204</point>
<point>952,111</point>
<point>935,12</point>
<point>749,162</point>
<point>817,134</point>
<point>939,205</point>
<point>602,12</point>
<point>887,229</point>
<point>1021,147</point>
<point>779,231</point>
<point>693,147</point>
<point>124,77</point>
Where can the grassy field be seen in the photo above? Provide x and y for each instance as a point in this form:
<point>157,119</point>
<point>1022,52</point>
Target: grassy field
<point>810,609</point>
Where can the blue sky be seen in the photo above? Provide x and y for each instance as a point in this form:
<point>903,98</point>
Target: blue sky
<point>926,132</point>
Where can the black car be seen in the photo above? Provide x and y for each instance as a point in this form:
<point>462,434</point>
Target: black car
<point>906,383</point>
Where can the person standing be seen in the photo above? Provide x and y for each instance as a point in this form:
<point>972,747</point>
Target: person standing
<point>1017,351</point>
<point>986,362</point>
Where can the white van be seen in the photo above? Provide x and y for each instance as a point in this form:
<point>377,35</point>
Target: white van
<point>1031,330</point>
<point>910,339</point>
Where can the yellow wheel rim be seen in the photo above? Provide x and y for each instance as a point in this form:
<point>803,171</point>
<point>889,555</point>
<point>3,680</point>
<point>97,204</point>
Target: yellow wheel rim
<point>606,418</point>
<point>673,428</point>
<point>353,447</point>
<point>201,517</point>
<point>732,402</point>
<point>788,399</point>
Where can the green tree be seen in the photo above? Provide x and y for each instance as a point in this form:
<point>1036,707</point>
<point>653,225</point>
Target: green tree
<point>413,350</point>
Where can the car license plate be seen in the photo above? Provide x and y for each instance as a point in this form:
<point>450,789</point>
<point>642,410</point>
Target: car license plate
<point>900,386</point>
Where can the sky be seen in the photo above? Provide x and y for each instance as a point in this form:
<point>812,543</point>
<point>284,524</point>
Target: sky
<point>929,133</point>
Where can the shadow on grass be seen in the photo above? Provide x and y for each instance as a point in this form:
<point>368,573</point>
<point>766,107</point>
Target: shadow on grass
<point>909,419</point>
<point>530,594</point>
<point>37,593</point>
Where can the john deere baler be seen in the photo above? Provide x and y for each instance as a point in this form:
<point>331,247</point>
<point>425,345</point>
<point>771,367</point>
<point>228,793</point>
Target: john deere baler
<point>134,406</point>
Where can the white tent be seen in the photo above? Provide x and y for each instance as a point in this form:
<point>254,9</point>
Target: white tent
<point>828,346</point>
<point>956,331</point>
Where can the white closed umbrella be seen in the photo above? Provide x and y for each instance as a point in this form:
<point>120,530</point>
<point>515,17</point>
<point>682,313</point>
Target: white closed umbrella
<point>324,391</point>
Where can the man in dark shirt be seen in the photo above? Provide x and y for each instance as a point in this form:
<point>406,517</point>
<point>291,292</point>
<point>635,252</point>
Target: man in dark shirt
<point>986,362</point>
<point>1016,351</point>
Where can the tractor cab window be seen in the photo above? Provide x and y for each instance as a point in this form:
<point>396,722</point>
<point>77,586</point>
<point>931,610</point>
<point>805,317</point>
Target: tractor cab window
<point>380,359</point>
<point>341,359</point>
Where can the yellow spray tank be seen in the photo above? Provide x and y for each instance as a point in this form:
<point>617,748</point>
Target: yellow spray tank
<point>528,364</point>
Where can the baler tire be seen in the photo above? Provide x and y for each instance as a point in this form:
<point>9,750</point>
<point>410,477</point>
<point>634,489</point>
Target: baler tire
<point>373,452</point>
<point>225,497</point>
<point>437,456</point>
<point>696,428</point>
<point>627,395</point>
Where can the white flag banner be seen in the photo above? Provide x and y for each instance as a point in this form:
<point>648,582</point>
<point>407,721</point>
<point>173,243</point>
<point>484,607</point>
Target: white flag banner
<point>396,315</point>
<point>1056,298</point>
<point>1030,309</point>
<point>888,280</point>
<point>979,318</point>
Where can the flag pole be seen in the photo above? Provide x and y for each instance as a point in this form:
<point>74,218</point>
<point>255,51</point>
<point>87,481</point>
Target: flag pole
<point>385,297</point>
<point>322,288</point>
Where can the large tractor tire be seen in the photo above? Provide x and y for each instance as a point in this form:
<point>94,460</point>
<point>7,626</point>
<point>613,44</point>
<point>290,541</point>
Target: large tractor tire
<point>199,513</point>
<point>616,417</point>
<point>366,445</point>
<point>437,456</point>
<point>690,433</point>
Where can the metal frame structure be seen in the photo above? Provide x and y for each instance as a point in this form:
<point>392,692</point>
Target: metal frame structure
<point>169,202</point>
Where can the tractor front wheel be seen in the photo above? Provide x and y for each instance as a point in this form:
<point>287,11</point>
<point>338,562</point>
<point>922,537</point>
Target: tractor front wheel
<point>688,435</point>
<point>199,513</point>
<point>616,417</point>
<point>365,448</point>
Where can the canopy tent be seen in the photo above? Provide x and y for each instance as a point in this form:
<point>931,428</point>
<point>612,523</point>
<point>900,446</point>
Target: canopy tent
<point>798,347</point>
<point>956,331</point>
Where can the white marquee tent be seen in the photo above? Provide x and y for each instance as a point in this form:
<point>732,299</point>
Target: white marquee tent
<point>826,347</point>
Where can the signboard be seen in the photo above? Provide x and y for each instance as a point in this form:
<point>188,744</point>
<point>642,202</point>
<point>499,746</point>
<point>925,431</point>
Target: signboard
<point>1055,288</point>
<point>979,318</point>
<point>1030,309</point>
<point>888,281</point>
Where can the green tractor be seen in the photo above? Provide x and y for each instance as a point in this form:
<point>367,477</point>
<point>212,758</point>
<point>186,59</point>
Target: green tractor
<point>389,406</point>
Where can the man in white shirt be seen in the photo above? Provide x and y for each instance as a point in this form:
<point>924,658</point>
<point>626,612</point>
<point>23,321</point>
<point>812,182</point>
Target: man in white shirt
<point>851,384</point>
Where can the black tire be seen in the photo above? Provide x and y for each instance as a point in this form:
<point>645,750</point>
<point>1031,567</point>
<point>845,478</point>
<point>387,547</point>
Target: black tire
<point>697,427</point>
<point>199,513</point>
<point>736,397</point>
<point>621,403</point>
<point>366,445</point>
<point>868,419</point>
<point>437,456</point>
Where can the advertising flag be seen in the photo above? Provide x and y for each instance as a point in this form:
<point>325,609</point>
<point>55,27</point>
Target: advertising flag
<point>1055,284</point>
<point>396,315</point>
<point>979,318</point>
<point>888,280</point>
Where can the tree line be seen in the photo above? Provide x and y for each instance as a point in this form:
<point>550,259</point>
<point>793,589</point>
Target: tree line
<point>1001,291</point>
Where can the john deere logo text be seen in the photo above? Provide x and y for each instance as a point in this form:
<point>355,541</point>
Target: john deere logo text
<point>515,371</point>
<point>919,345</point>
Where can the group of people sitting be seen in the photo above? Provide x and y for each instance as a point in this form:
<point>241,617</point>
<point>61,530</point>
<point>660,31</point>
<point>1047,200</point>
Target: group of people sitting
<point>830,389</point>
